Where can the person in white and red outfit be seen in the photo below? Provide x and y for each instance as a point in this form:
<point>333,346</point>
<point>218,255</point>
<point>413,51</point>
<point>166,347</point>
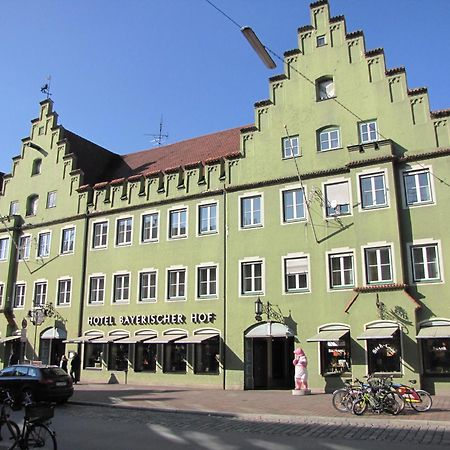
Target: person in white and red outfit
<point>301,372</point>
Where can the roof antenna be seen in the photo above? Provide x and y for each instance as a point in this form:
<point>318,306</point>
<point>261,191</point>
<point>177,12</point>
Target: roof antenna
<point>46,88</point>
<point>158,139</point>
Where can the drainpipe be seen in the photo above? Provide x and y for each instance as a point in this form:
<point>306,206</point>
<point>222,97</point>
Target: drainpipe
<point>225,268</point>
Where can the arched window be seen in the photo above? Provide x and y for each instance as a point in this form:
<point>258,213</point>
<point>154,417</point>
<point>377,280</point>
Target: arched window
<point>328,138</point>
<point>32,204</point>
<point>325,88</point>
<point>36,169</point>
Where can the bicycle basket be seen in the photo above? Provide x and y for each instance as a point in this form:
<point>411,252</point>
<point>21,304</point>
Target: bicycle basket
<point>39,413</point>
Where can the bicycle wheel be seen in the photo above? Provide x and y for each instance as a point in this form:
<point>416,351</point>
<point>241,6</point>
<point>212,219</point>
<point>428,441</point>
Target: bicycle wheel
<point>9,433</point>
<point>40,436</point>
<point>426,402</point>
<point>390,404</point>
<point>340,400</point>
<point>400,400</point>
<point>359,406</point>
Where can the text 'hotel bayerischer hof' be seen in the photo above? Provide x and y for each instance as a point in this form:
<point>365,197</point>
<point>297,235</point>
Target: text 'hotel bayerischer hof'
<point>206,262</point>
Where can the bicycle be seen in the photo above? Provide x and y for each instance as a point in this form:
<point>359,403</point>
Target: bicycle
<point>343,398</point>
<point>9,430</point>
<point>418,399</point>
<point>36,432</point>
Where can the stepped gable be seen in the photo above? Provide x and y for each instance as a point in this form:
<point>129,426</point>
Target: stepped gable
<point>94,161</point>
<point>211,147</point>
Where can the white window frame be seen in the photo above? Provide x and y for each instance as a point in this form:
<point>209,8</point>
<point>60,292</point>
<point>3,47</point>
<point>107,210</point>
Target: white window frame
<point>207,267</point>
<point>251,262</point>
<point>209,221</point>
<point>252,211</point>
<point>335,254</point>
<point>23,288</point>
<point>415,171</point>
<point>296,190</point>
<point>373,190</point>
<point>151,229</point>
<point>297,289</point>
<point>40,292</point>
<point>71,248</point>
<point>123,289</point>
<point>178,294</point>
<point>103,235</point>
<point>44,244</point>
<point>97,290</point>
<point>51,199</point>
<point>325,136</point>
<point>124,231</point>
<point>62,291</point>
<point>23,251</point>
<point>378,247</point>
<point>4,247</point>
<point>366,132</point>
<point>328,202</point>
<point>425,243</point>
<point>149,287</point>
<point>178,234</point>
<point>291,146</point>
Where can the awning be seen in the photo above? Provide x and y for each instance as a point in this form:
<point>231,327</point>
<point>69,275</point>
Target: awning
<point>168,339</point>
<point>270,329</point>
<point>197,339</point>
<point>378,333</point>
<point>328,335</point>
<point>139,338</point>
<point>438,331</point>
<point>108,339</point>
<point>82,339</point>
<point>9,338</point>
<point>54,333</point>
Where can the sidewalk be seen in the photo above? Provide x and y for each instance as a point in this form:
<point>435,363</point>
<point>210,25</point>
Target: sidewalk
<point>276,405</point>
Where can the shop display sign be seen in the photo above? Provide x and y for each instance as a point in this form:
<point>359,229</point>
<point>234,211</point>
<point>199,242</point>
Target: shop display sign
<point>151,319</point>
<point>390,351</point>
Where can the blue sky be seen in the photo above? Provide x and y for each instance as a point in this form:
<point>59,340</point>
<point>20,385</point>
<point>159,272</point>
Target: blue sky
<point>117,66</point>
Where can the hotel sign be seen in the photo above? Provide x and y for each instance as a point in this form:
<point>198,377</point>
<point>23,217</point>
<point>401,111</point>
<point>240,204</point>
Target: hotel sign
<point>151,319</point>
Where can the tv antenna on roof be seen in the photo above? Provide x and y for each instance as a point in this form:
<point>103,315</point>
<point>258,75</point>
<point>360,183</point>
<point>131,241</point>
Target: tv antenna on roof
<point>158,139</point>
<point>45,89</point>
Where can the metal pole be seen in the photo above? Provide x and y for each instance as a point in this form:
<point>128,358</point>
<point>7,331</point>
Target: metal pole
<point>35,337</point>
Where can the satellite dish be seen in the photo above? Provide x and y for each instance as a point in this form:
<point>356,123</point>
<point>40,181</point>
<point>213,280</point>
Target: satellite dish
<point>333,204</point>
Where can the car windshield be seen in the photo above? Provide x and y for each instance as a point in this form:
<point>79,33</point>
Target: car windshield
<point>53,372</point>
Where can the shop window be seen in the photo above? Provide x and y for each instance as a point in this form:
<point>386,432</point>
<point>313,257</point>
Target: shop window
<point>337,199</point>
<point>150,224</point>
<point>291,147</point>
<point>368,132</point>
<point>3,249</point>
<point>178,223</point>
<point>19,295</point>
<point>51,199</point>
<point>325,88</point>
<point>417,187</point>
<point>68,240</point>
<point>251,214</point>
<point>436,356</point>
<point>117,356</point>
<point>40,293</point>
<point>335,356</point>
<point>64,291</point>
<point>296,274</point>
<point>425,262</point>
<point>93,355</point>
<point>384,355</point>
<point>207,218</point>
<point>206,356</point>
<point>32,205</point>
<point>293,205</point>
<point>175,358</point>
<point>145,357</point>
<point>373,191</point>
<point>378,265</point>
<point>124,228</point>
<point>251,277</point>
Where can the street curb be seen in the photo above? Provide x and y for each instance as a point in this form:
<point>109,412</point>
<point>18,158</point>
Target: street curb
<point>347,420</point>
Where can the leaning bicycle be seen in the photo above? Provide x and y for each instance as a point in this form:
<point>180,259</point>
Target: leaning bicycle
<point>36,431</point>
<point>377,397</point>
<point>9,430</point>
<point>418,399</point>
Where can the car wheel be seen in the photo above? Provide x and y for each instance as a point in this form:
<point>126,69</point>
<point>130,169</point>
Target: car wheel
<point>27,396</point>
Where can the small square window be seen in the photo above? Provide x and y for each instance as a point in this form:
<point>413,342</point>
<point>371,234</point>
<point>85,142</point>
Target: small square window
<point>329,139</point>
<point>51,199</point>
<point>291,147</point>
<point>368,132</point>
<point>321,40</point>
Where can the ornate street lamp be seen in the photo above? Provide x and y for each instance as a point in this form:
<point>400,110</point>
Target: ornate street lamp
<point>258,309</point>
<point>37,317</point>
<point>269,310</point>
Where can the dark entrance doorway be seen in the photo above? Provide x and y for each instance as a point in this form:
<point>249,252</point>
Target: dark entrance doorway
<point>272,362</point>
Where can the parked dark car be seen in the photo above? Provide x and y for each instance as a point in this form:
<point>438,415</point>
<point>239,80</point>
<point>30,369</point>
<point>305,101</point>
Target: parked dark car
<point>37,383</point>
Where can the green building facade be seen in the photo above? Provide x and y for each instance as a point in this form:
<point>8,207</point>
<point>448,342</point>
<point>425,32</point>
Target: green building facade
<point>206,262</point>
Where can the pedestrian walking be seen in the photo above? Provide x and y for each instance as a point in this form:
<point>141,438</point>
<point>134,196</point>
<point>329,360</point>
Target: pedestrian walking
<point>75,368</point>
<point>63,363</point>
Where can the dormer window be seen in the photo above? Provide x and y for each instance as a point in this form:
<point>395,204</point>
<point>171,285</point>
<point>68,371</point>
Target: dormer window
<point>325,88</point>
<point>36,169</point>
<point>32,204</point>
